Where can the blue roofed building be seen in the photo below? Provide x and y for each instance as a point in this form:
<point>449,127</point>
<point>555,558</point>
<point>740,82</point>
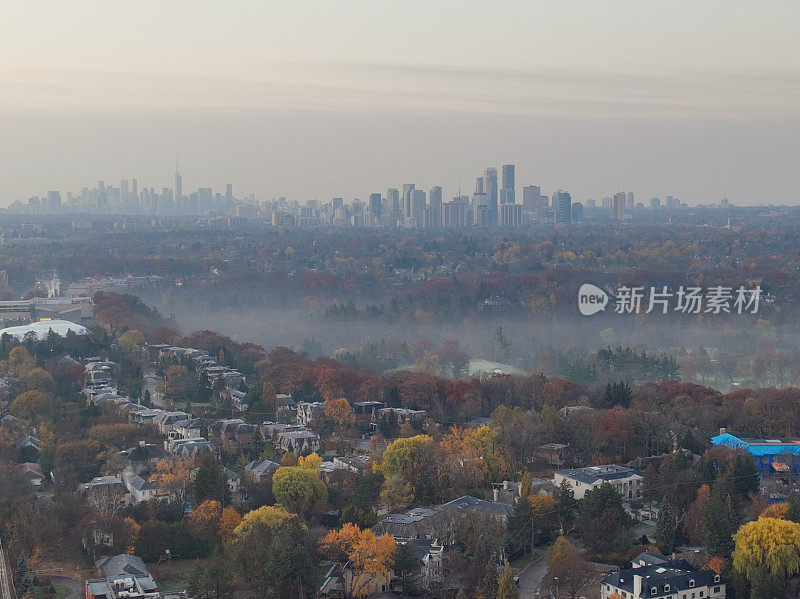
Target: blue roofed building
<point>771,456</point>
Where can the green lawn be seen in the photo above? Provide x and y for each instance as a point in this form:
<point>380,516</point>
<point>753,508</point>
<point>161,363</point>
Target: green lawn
<point>174,575</point>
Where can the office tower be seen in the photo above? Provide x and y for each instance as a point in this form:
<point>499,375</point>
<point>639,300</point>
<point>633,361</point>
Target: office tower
<point>490,188</point>
<point>608,203</point>
<point>619,205</point>
<point>178,197</point>
<point>655,203</point>
<point>54,201</point>
<point>135,189</point>
<point>630,198</point>
<point>480,188</point>
<point>510,215</point>
<point>123,191</point>
<point>532,198</point>
<point>204,196</point>
<point>375,209</point>
<point>590,203</point>
<point>434,211</point>
<point>508,195</point>
<point>393,200</point>
<point>417,207</point>
<point>337,203</point>
<point>562,206</point>
<point>229,194</point>
<point>454,214</point>
<point>408,188</point>
<point>672,202</point>
<point>577,212</point>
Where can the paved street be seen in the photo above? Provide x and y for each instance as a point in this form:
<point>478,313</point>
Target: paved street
<point>6,584</point>
<point>530,579</point>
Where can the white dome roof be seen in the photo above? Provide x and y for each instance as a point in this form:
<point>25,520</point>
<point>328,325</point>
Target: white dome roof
<point>43,327</point>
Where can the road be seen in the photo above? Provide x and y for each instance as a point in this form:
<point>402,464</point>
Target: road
<point>150,385</point>
<point>6,583</point>
<point>530,579</point>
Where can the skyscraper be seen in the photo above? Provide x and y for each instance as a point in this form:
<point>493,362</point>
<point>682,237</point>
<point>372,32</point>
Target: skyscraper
<point>375,211</point>
<point>508,195</point>
<point>532,198</point>
<point>393,201</point>
<point>630,198</point>
<point>490,188</point>
<point>407,189</point>
<point>434,211</point>
<point>562,206</point>
<point>619,205</point>
<point>178,188</point>
<point>417,207</point>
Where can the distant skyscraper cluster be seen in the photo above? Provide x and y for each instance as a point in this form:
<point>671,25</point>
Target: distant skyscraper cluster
<point>493,203</point>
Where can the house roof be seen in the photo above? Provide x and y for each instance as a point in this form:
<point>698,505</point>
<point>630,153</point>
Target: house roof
<point>31,470</point>
<point>592,474</point>
<point>675,573</point>
<point>469,504</point>
<point>262,467</point>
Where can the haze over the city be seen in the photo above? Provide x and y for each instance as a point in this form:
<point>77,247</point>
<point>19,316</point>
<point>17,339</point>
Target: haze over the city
<point>319,99</point>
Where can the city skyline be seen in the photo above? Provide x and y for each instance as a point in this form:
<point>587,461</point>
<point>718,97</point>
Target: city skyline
<point>584,95</point>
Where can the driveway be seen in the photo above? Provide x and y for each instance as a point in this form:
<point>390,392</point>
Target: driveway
<point>74,590</point>
<point>530,579</point>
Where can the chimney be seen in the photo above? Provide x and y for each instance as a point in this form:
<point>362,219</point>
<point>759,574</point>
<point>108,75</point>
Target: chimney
<point>637,586</point>
<point>496,494</point>
<point>722,430</point>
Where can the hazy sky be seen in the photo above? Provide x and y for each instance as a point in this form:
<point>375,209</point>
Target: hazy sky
<point>314,99</point>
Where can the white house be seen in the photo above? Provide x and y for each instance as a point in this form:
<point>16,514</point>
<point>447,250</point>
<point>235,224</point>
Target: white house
<point>626,481</point>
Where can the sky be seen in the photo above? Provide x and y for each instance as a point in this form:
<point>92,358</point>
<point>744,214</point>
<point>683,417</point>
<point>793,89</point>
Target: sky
<point>319,99</point>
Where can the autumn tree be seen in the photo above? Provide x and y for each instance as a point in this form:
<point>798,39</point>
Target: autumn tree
<point>299,490</point>
<point>767,553</point>
<point>410,459</point>
<point>507,587</point>
<point>568,564</point>
<point>173,478</point>
<point>131,340</point>
<point>270,549</point>
<point>205,519</point>
<point>368,556</point>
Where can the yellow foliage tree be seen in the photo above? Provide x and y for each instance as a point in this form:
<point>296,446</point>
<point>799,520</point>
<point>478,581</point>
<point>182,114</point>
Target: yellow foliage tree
<point>776,510</point>
<point>271,515</point>
<point>369,556</point>
<point>767,546</point>
<point>310,462</point>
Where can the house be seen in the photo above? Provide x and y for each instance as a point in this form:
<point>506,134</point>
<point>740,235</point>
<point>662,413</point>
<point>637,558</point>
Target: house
<point>234,481</point>
<point>261,470</point>
<point>106,486</point>
<point>189,447</point>
<point>140,489</point>
<point>33,472</point>
<point>191,428</point>
<point>166,420</point>
<point>123,576</point>
<point>339,581</point>
<point>655,577</point>
<point>306,411</point>
<point>367,411</point>
<point>353,463</point>
<point>626,481</point>
<point>416,523</point>
<point>298,442</point>
<point>403,415</point>
<point>28,441</point>
<point>430,556</point>
<point>470,506</point>
<point>508,491</point>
